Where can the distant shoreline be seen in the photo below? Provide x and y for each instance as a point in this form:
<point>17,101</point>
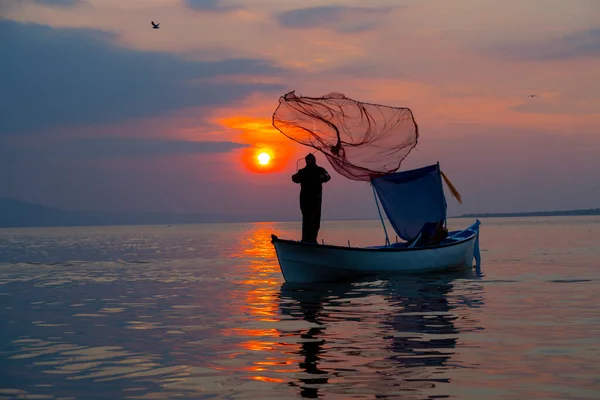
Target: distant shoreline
<point>19,214</point>
<point>566,213</point>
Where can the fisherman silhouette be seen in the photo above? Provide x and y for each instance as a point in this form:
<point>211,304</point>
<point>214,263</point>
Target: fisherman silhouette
<point>311,179</point>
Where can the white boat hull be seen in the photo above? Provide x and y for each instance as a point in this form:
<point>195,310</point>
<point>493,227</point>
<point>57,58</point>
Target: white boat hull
<point>306,262</point>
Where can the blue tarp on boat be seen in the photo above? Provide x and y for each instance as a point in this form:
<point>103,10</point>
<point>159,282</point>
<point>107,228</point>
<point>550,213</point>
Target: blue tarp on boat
<point>411,199</point>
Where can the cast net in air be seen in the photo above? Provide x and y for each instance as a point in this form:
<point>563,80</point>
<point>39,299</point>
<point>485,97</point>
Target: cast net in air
<point>360,140</point>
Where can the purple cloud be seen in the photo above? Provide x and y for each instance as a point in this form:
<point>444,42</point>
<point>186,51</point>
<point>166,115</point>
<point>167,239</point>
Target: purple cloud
<point>583,44</point>
<point>345,19</point>
<point>210,5</point>
<point>109,147</point>
<point>58,3</point>
<point>76,77</point>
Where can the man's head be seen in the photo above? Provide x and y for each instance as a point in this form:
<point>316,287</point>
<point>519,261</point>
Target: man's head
<point>310,159</point>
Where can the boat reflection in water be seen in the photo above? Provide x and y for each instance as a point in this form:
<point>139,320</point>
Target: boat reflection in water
<point>393,337</point>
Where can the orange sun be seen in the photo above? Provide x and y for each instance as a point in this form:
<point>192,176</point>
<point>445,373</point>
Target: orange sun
<point>268,151</point>
<point>263,158</point>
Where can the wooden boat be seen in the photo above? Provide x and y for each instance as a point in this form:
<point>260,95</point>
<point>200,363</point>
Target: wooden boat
<point>413,201</point>
<point>309,262</point>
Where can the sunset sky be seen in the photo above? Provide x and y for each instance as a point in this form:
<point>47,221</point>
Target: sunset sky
<point>100,111</point>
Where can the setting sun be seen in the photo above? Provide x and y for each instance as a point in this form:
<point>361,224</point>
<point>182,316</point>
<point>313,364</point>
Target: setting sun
<point>264,158</point>
<point>268,151</point>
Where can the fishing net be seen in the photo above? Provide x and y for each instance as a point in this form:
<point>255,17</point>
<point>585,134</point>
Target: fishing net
<point>360,140</point>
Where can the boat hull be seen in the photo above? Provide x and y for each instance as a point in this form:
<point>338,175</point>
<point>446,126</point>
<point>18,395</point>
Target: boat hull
<point>306,262</point>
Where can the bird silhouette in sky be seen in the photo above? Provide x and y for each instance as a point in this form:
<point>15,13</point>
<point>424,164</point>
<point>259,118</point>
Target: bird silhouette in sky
<point>532,95</point>
<point>155,26</point>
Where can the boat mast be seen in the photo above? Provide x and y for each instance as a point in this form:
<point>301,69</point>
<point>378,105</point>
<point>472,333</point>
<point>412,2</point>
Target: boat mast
<point>387,239</point>
<point>443,195</point>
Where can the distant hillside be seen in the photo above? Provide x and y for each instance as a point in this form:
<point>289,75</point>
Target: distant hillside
<point>591,211</point>
<point>17,213</point>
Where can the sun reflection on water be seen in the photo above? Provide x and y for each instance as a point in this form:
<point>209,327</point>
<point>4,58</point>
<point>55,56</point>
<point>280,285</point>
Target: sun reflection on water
<point>262,282</point>
<point>271,356</point>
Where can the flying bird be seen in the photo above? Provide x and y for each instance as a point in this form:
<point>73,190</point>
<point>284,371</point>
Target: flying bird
<point>155,26</point>
<point>532,95</point>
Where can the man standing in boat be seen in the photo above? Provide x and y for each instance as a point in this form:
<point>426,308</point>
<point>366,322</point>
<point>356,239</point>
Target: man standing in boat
<point>311,179</point>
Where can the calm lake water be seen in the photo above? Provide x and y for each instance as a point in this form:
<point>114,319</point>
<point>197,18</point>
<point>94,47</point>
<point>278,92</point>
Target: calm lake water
<point>201,311</point>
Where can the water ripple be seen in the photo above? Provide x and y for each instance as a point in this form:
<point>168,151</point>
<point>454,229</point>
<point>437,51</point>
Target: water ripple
<point>222,324</point>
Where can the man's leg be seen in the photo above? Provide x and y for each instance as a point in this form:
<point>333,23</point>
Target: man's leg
<point>311,232</point>
<point>305,223</point>
<point>316,223</point>
<point>313,222</point>
<point>305,227</point>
